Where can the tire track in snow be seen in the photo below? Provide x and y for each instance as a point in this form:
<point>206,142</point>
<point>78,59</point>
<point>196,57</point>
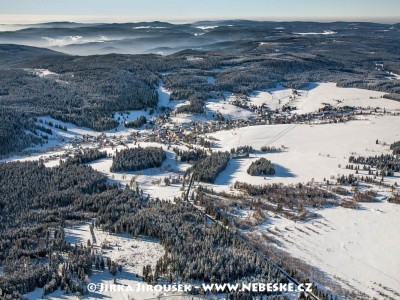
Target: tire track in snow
<point>281,134</point>
<point>272,140</point>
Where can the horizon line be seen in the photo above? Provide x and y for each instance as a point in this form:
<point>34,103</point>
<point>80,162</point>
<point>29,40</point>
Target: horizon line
<point>8,19</point>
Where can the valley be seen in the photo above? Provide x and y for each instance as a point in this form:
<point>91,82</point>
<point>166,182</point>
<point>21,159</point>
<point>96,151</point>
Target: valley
<point>271,156</point>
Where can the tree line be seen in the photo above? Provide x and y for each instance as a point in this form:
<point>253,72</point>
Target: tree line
<point>136,123</point>
<point>260,167</point>
<point>135,159</point>
<point>208,168</point>
<point>289,196</point>
<point>387,164</point>
<point>86,155</point>
<point>51,199</point>
<point>190,155</point>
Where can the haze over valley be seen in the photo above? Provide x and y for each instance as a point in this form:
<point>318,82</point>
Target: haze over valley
<point>227,151</point>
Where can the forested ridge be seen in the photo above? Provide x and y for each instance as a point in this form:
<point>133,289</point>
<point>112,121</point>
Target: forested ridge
<point>39,202</point>
<point>12,131</point>
<point>36,204</point>
<point>87,97</point>
<point>88,90</point>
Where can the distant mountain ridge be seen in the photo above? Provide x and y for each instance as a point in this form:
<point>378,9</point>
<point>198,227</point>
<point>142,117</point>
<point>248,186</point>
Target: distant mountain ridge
<point>11,54</point>
<point>166,38</point>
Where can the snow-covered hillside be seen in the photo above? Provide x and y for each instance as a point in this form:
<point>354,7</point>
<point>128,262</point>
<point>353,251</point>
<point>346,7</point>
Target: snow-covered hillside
<point>132,253</point>
<point>311,151</point>
<point>357,248</point>
<point>315,95</point>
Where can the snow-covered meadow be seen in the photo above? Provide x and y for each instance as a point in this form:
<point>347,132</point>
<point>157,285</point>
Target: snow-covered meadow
<point>151,181</point>
<point>315,95</point>
<point>357,248</point>
<point>132,253</point>
<point>310,151</point>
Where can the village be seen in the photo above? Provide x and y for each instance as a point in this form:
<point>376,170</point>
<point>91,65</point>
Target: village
<point>311,147</point>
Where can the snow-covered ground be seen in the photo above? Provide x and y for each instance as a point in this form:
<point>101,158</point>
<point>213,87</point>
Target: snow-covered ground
<point>228,111</point>
<point>205,27</point>
<point>51,158</point>
<point>44,73</point>
<point>131,253</point>
<point>186,118</point>
<point>212,108</point>
<point>326,32</point>
<point>163,95</point>
<point>73,130</point>
<point>356,247</point>
<point>393,76</point>
<point>210,79</point>
<point>131,115</point>
<point>312,151</point>
<point>272,98</point>
<point>313,97</point>
<point>151,181</point>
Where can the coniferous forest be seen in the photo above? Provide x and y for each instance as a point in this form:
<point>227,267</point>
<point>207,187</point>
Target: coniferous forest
<point>88,90</point>
<point>136,159</point>
<point>136,123</point>
<point>49,199</point>
<point>261,166</point>
<point>85,156</point>
<point>208,169</point>
<point>387,164</point>
<point>190,155</point>
<point>231,85</point>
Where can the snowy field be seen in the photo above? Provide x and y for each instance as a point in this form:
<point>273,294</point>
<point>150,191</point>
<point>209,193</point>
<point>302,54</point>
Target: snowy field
<point>228,111</point>
<point>213,107</point>
<point>131,253</point>
<point>356,247</point>
<point>186,118</point>
<point>150,180</point>
<point>273,98</point>
<point>131,115</point>
<point>311,151</point>
<point>313,97</point>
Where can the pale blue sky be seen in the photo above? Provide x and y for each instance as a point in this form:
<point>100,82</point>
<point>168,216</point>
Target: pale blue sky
<point>23,11</point>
